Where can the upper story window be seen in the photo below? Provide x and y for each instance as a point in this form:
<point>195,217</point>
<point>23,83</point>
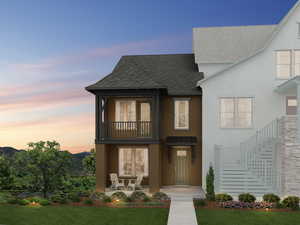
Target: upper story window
<point>181,120</point>
<point>288,63</point>
<point>284,64</point>
<point>125,111</point>
<point>236,112</point>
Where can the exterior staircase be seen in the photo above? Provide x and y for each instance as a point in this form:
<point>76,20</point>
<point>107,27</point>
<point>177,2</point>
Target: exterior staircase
<point>237,181</point>
<point>253,166</point>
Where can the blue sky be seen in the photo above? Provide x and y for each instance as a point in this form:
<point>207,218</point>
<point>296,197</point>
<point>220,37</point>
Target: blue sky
<point>50,50</point>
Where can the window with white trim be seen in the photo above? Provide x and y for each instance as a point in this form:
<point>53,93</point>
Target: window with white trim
<point>181,115</point>
<point>236,112</point>
<point>287,63</point>
<point>133,162</point>
<point>297,62</point>
<point>284,64</point>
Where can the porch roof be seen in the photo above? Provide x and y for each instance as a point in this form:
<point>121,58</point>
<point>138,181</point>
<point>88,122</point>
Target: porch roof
<point>289,86</point>
<point>181,140</point>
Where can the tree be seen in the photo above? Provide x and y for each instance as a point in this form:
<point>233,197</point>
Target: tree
<point>210,188</point>
<point>6,173</point>
<point>44,166</point>
<point>89,163</point>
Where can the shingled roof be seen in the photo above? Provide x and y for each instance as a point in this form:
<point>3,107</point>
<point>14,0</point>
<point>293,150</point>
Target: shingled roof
<point>177,73</point>
<point>229,44</point>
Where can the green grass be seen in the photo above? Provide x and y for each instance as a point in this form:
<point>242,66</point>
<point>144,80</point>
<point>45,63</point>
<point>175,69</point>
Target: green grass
<point>69,215</point>
<point>236,217</point>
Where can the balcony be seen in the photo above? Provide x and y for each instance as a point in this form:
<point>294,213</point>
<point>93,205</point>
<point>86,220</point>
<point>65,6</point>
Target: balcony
<point>132,129</point>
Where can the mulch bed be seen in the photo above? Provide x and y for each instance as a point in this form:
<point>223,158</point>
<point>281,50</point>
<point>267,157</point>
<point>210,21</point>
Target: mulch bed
<point>162,204</point>
<point>214,206</point>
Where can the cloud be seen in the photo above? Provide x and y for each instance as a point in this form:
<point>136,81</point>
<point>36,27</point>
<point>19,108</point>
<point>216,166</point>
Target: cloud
<point>50,99</point>
<point>74,121</point>
<point>167,43</point>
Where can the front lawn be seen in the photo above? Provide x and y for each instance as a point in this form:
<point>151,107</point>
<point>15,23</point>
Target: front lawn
<point>245,217</point>
<point>70,215</point>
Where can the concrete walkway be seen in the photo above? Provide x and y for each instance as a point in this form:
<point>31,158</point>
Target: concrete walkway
<point>182,211</point>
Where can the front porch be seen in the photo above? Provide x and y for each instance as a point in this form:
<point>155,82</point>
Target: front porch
<point>172,191</point>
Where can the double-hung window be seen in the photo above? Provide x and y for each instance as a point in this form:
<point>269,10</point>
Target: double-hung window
<point>133,162</point>
<point>284,64</point>
<point>287,63</point>
<point>236,112</point>
<point>181,117</point>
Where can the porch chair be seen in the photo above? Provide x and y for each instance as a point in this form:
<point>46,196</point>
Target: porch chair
<point>115,183</point>
<point>136,183</point>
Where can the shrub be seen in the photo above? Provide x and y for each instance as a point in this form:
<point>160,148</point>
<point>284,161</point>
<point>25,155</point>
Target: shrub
<point>160,196</point>
<point>59,197</point>
<point>129,199</point>
<point>74,197</point>
<point>248,205</point>
<point>138,196</point>
<point>97,196</point>
<point>35,199</point>
<point>79,184</point>
<point>199,202</point>
<point>23,202</point>
<point>107,199</point>
<point>210,189</point>
<point>223,197</point>
<point>119,196</point>
<point>44,202</point>
<point>88,202</point>
<point>5,197</point>
<point>146,199</point>
<point>291,202</point>
<point>246,197</point>
<point>271,198</point>
<point>13,200</point>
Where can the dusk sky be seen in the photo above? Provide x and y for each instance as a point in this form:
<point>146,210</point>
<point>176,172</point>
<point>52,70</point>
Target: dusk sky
<point>51,49</point>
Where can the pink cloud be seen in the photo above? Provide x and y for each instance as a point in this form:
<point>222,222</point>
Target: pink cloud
<point>82,120</point>
<point>138,47</point>
<point>49,99</point>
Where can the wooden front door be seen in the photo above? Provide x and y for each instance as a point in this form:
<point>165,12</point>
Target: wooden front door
<point>182,166</point>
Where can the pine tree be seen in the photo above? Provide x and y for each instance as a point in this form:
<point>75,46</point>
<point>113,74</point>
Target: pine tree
<point>210,189</point>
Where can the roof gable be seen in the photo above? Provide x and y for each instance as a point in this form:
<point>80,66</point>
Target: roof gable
<point>229,44</point>
<point>275,32</point>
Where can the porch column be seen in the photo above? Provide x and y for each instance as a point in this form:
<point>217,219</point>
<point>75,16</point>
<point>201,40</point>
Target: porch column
<point>154,168</point>
<point>298,110</point>
<point>101,167</point>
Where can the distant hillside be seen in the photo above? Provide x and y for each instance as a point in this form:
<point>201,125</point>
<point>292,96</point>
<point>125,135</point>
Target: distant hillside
<point>8,151</point>
<point>77,168</point>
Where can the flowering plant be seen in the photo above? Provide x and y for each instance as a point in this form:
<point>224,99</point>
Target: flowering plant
<point>246,205</point>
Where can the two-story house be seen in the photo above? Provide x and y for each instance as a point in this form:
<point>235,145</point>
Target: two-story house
<point>148,121</point>
<point>251,91</point>
<point>233,104</point>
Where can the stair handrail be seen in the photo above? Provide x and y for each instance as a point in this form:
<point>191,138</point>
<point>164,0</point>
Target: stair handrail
<point>251,150</point>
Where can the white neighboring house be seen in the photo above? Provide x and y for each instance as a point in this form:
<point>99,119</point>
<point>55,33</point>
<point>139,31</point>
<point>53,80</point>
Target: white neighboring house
<point>251,130</point>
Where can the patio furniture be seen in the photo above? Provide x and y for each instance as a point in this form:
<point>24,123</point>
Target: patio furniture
<point>133,184</point>
<point>116,183</point>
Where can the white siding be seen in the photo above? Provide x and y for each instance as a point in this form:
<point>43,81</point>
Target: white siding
<point>255,78</point>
